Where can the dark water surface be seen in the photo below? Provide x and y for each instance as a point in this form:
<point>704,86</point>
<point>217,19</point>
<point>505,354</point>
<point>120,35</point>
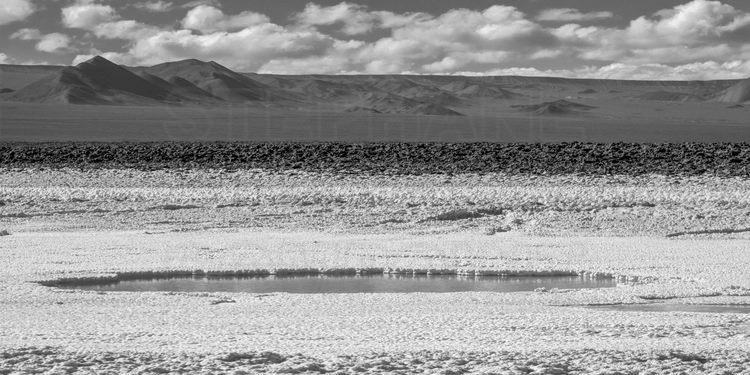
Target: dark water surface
<point>348,284</point>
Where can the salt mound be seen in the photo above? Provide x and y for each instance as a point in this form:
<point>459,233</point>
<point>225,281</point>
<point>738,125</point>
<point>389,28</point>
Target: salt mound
<point>392,103</point>
<point>325,89</point>
<point>468,89</point>
<point>431,95</point>
<point>666,96</point>
<point>358,109</point>
<point>559,107</point>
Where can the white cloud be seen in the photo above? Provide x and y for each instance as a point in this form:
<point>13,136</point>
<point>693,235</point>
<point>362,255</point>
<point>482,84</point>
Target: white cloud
<point>697,31</point>
<point>155,6</point>
<point>456,39</point>
<point>4,59</point>
<point>699,21</point>
<point>208,19</point>
<point>124,29</point>
<point>52,43</point>
<point>572,15</point>
<point>26,34</point>
<point>708,70</point>
<point>104,22</point>
<point>356,19</point>
<point>247,49</point>
<point>85,14</point>
<point>15,10</point>
<point>692,40</point>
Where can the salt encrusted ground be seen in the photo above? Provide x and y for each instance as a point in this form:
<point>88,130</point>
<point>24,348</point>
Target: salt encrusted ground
<point>69,223</point>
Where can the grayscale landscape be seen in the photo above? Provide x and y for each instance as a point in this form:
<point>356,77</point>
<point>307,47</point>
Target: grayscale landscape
<point>195,100</point>
<point>506,187</point>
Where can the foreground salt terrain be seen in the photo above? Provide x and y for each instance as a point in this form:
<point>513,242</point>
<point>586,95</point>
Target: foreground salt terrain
<point>74,223</point>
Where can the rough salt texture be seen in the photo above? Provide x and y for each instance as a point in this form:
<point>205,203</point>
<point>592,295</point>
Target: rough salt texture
<point>434,362</point>
<point>105,199</point>
<point>326,326</point>
<point>98,223</point>
<point>723,159</point>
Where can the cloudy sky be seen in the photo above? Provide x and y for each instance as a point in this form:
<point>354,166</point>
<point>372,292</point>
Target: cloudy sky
<point>654,39</point>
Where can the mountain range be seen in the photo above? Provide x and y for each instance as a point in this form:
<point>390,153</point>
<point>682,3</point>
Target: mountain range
<point>99,81</point>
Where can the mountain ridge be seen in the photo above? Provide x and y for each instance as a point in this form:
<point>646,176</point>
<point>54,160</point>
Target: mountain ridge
<point>188,82</point>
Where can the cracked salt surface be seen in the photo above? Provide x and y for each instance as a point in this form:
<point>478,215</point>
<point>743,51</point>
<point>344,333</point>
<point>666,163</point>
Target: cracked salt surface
<point>383,283</point>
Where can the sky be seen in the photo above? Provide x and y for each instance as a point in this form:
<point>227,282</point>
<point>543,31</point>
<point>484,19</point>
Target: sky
<point>615,39</point>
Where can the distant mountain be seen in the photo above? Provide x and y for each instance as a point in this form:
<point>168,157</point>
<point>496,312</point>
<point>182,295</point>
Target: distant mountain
<point>17,76</point>
<point>219,81</point>
<point>666,96</point>
<point>96,81</point>
<point>392,103</point>
<point>559,107</point>
<point>739,93</point>
<point>468,89</point>
<point>197,83</point>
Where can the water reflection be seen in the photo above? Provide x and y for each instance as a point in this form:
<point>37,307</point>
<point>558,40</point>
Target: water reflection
<point>381,283</point>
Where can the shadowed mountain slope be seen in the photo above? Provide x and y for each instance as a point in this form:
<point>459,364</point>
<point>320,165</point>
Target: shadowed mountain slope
<point>738,93</point>
<point>96,81</point>
<point>559,107</point>
<point>17,76</point>
<point>219,81</point>
<point>197,83</point>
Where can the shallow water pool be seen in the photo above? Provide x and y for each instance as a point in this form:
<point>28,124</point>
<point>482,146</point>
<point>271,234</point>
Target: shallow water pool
<point>380,283</point>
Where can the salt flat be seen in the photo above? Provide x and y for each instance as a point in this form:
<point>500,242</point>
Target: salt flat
<point>68,224</point>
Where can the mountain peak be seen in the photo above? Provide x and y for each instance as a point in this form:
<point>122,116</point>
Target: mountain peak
<point>97,60</point>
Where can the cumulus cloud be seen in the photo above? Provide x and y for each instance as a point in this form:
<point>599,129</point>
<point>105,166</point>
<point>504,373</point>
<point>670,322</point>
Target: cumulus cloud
<point>104,22</point>
<point>26,34</point>
<point>124,29</point>
<point>356,19</point>
<point>85,14</point>
<point>695,40</point>
<point>155,6</point>
<point>207,19</point>
<point>692,32</point>
<point>259,44</point>
<point>699,21</point>
<point>15,10</point>
<point>456,39</point>
<point>52,43</point>
<point>4,59</point>
<point>708,70</point>
<point>572,15</point>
